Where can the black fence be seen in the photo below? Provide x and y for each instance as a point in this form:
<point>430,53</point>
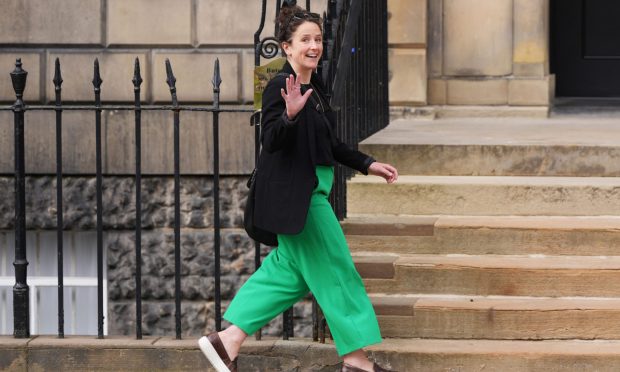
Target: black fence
<point>21,290</point>
<point>355,70</point>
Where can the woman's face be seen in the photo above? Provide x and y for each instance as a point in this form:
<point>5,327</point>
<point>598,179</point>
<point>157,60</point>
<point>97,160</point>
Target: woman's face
<point>306,46</point>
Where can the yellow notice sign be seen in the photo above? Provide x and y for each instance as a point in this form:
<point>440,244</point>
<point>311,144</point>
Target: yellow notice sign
<point>262,75</point>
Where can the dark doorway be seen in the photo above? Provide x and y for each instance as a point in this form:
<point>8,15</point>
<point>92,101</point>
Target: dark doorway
<point>585,47</point>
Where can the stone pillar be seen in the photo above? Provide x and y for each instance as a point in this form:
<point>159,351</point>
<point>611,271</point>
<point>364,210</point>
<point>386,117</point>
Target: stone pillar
<point>489,53</point>
<point>531,83</point>
<point>477,51</point>
<point>407,52</point>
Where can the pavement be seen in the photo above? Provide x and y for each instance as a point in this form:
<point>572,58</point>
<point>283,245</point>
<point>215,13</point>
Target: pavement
<point>582,131</point>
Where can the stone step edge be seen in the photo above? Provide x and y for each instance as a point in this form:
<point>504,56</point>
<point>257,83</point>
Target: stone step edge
<point>472,144</point>
<point>406,305</point>
<point>530,262</point>
<point>538,181</point>
<point>422,225</point>
<point>495,347</point>
<point>392,225</point>
<point>431,112</point>
<point>268,345</point>
<point>303,354</point>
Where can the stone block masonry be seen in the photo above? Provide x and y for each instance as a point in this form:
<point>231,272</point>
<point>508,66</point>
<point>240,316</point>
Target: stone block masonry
<point>467,52</point>
<point>25,22</point>
<point>192,33</point>
<point>197,281</point>
<point>407,59</point>
<point>197,256</point>
<point>134,22</point>
<point>33,91</point>
<point>119,206</point>
<point>116,72</point>
<point>194,73</point>
<point>489,53</point>
<point>78,152</point>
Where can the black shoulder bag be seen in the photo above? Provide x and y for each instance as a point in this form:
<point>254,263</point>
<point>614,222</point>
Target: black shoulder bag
<point>256,233</point>
<point>262,236</point>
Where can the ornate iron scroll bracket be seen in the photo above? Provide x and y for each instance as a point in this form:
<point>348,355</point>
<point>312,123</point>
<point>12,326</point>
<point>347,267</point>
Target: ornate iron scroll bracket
<point>268,47</point>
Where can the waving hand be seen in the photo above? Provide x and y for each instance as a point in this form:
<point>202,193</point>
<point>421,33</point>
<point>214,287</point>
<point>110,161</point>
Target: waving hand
<point>295,101</point>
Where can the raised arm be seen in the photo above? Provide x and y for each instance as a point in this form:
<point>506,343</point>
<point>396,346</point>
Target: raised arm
<point>282,102</point>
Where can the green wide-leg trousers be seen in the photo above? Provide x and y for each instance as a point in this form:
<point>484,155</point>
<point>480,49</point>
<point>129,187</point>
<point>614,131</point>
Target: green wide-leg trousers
<point>317,260</point>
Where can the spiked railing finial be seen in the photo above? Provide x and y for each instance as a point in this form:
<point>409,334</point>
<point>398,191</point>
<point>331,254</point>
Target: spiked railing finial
<point>97,77</point>
<point>57,75</point>
<point>217,79</point>
<point>137,78</point>
<point>171,80</point>
<point>18,78</point>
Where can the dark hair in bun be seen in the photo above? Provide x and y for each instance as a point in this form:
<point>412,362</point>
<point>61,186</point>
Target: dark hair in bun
<point>289,20</point>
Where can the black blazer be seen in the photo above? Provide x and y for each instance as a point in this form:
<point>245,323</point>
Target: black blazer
<point>286,168</point>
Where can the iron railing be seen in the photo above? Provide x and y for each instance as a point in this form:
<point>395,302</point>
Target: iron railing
<point>355,71</point>
<point>21,290</point>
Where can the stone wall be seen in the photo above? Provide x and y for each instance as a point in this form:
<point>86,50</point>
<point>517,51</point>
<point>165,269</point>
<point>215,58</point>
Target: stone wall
<point>407,30</point>
<point>197,255</point>
<point>236,138</point>
<point>192,34</point>
<point>442,52</point>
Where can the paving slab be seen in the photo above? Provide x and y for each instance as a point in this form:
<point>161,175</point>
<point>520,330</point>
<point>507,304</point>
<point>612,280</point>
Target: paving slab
<point>496,147</point>
<point>500,131</point>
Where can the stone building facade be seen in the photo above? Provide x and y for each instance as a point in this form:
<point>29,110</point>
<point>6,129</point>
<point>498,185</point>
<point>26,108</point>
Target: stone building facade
<point>489,52</point>
<point>442,52</point>
<point>456,57</point>
<point>471,57</point>
<point>191,34</point>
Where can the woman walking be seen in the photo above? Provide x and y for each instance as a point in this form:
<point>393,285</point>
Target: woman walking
<point>296,166</point>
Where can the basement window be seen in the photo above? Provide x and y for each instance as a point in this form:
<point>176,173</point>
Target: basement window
<point>80,283</point>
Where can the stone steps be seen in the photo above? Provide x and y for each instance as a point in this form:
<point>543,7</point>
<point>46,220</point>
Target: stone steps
<point>534,275</point>
<point>498,317</point>
<point>496,147</point>
<point>493,355</point>
<point>48,353</point>
<point>477,235</point>
<point>485,195</point>
<point>499,160</point>
<point>497,247</point>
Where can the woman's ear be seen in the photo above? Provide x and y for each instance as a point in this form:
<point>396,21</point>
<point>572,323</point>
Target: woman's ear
<point>285,47</point>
